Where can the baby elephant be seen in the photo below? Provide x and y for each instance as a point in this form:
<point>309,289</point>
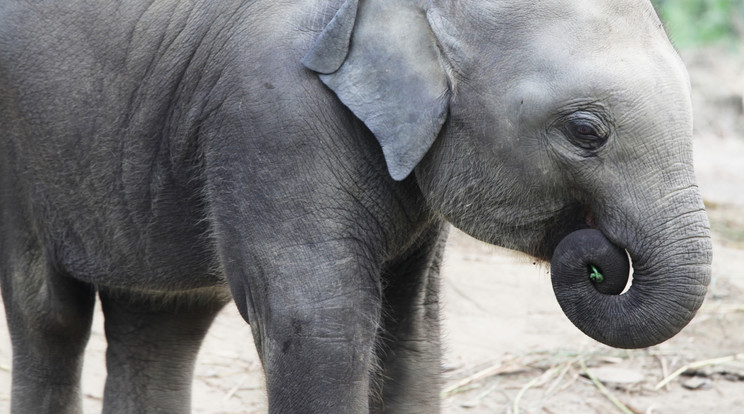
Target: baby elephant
<point>302,159</point>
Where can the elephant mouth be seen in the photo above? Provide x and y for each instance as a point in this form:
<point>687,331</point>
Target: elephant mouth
<point>576,246</point>
<point>571,218</point>
<point>587,254</point>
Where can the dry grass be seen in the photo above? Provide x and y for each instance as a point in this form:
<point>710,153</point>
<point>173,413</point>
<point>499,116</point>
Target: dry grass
<point>547,373</point>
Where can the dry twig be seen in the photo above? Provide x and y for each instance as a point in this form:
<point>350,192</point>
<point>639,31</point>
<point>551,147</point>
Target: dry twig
<point>696,365</point>
<point>664,368</point>
<point>602,389</point>
<point>235,388</point>
<point>497,369</point>
<point>537,380</point>
<point>566,366</point>
<point>475,401</point>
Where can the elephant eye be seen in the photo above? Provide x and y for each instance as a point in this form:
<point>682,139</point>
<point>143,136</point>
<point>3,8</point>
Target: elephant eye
<point>585,129</point>
<point>585,133</point>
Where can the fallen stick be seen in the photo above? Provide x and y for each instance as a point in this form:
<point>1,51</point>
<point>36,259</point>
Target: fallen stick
<point>696,365</point>
<point>235,388</point>
<point>493,370</point>
<point>541,378</point>
<point>664,368</point>
<point>602,389</point>
<point>566,366</point>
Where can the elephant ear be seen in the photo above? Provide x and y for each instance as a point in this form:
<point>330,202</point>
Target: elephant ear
<point>381,59</point>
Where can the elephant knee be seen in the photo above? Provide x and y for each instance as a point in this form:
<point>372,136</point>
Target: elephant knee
<point>318,361</point>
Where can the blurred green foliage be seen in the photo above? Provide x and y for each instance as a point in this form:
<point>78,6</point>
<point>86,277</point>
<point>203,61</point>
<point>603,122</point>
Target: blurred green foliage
<point>699,22</point>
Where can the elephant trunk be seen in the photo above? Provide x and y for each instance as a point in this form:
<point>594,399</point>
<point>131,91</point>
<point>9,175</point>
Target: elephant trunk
<point>669,283</point>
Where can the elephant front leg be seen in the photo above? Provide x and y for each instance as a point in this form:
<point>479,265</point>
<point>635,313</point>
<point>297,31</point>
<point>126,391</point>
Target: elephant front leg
<point>410,351</point>
<point>49,317</point>
<point>315,331</point>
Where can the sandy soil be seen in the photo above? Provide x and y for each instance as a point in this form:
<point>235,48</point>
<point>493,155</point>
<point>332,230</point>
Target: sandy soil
<point>509,347</point>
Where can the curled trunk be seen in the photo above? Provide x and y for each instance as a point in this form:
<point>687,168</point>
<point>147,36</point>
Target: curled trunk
<point>670,280</point>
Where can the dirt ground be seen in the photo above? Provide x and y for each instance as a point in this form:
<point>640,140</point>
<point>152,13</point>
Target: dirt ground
<point>509,349</point>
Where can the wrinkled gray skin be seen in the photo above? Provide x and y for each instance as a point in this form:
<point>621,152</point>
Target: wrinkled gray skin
<point>169,156</point>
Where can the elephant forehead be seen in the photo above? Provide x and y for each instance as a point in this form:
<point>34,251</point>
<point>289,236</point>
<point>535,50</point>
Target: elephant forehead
<point>586,48</point>
<point>622,77</point>
<point>601,20</point>
<point>615,82</point>
<point>572,32</point>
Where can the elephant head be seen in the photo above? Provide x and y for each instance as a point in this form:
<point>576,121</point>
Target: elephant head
<point>558,128</point>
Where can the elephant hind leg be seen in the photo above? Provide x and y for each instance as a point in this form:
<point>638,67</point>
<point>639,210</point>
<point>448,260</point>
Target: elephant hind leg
<point>152,349</point>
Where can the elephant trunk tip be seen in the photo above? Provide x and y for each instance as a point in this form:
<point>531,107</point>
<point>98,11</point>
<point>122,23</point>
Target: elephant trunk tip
<point>587,255</point>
